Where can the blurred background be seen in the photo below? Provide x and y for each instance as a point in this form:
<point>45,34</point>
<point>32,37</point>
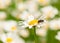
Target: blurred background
<point>14,13</point>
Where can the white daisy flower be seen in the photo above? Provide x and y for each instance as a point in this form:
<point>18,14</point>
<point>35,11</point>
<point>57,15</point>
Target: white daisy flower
<point>24,15</point>
<point>4,3</point>
<point>31,6</point>
<point>58,36</point>
<point>24,33</point>
<point>31,21</point>
<point>36,14</point>
<point>10,26</point>
<point>11,38</point>
<point>49,12</point>
<point>41,32</point>
<point>55,24</point>
<point>3,15</point>
<point>44,2</point>
<point>21,6</point>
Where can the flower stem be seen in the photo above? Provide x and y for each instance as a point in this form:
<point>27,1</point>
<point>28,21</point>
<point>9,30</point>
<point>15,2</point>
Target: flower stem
<point>35,37</point>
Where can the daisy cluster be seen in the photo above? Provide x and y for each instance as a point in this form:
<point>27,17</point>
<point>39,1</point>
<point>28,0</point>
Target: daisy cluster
<point>18,17</point>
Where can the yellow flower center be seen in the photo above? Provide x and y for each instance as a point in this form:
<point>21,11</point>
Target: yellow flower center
<point>9,40</point>
<point>44,2</point>
<point>33,22</point>
<point>13,28</point>
<point>41,0</point>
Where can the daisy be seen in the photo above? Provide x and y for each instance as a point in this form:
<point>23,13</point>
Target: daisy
<point>23,32</point>
<point>31,6</point>
<point>11,38</point>
<point>10,26</point>
<point>49,12</point>
<point>21,6</point>
<point>21,15</point>
<point>44,2</point>
<point>36,14</point>
<point>26,14</point>
<point>4,3</point>
<point>3,15</point>
<point>55,24</point>
<point>42,28</point>
<point>31,21</point>
<point>41,32</point>
<point>58,36</point>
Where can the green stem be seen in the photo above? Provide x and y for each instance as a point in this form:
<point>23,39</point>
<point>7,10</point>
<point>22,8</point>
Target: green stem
<point>35,37</point>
